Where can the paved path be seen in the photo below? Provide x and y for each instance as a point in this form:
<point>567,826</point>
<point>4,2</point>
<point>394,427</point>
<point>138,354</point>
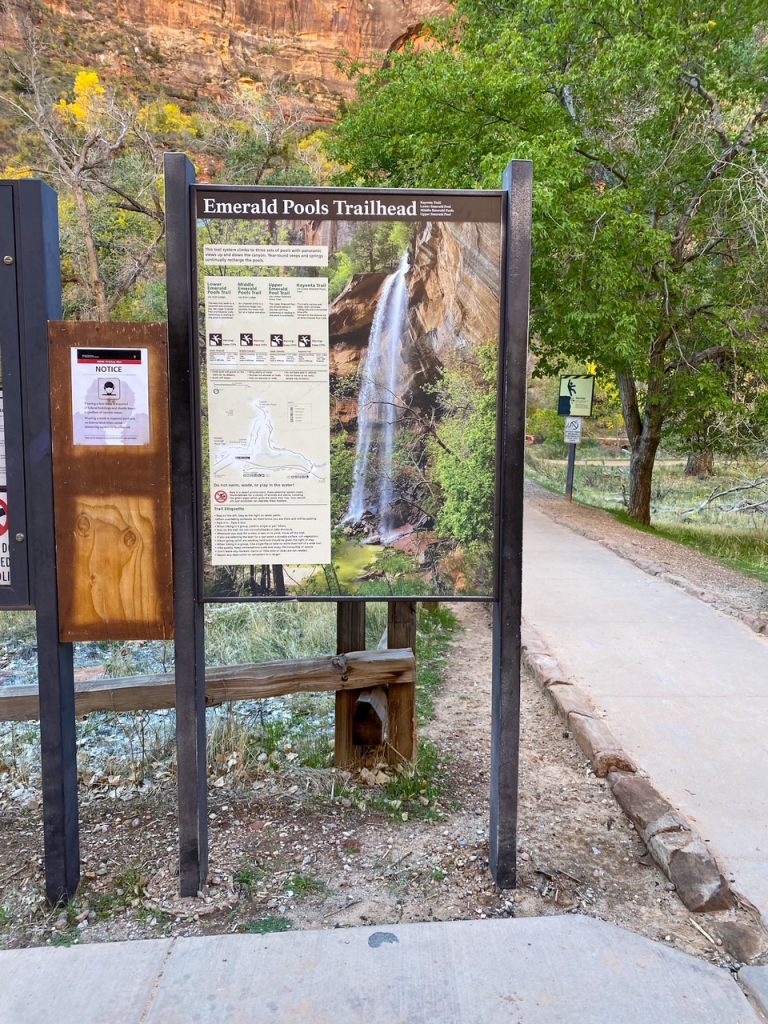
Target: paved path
<point>684,687</point>
<point>554,970</point>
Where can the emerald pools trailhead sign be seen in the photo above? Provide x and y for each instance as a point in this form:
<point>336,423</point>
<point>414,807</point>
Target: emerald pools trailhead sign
<point>347,374</point>
<point>349,351</point>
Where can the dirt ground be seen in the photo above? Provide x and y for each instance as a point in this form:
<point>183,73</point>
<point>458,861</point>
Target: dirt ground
<point>288,850</point>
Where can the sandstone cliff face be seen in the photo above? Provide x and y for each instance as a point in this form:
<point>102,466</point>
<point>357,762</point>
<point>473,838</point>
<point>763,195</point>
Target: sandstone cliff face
<point>350,322</point>
<point>453,287</point>
<point>453,308</point>
<point>202,46</point>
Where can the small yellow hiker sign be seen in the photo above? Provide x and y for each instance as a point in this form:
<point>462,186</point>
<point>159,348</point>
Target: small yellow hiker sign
<point>576,394</point>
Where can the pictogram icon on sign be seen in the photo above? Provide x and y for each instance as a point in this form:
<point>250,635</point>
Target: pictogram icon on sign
<point>3,517</point>
<point>220,497</point>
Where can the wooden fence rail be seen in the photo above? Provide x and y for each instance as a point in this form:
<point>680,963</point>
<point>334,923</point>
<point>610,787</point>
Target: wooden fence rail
<point>353,671</point>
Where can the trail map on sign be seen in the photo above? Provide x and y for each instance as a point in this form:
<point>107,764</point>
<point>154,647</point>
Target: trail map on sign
<point>269,424</point>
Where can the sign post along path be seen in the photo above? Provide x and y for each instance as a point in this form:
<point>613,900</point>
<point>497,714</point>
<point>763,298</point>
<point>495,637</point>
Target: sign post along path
<point>574,401</point>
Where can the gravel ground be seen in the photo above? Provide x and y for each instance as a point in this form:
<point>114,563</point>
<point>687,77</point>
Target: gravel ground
<point>300,848</point>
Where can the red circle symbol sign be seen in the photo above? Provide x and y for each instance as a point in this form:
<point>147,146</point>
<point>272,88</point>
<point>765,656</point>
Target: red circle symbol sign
<point>3,517</point>
<point>220,497</point>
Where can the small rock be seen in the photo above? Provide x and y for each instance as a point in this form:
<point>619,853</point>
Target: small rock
<point>741,940</point>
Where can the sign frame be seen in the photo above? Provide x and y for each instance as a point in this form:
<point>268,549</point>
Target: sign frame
<point>231,193</point>
<point>516,197</point>
<point>17,595</point>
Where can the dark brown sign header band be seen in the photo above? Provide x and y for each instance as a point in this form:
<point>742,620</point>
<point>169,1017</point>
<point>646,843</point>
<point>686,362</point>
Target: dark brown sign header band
<point>335,204</point>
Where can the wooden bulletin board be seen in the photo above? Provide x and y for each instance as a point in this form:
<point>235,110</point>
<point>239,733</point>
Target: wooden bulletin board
<point>111,489</point>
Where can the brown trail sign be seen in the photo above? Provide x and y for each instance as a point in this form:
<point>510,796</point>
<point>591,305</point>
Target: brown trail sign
<point>249,320</point>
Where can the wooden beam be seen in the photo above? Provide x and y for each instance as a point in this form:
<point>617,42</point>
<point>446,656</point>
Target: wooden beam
<point>353,671</point>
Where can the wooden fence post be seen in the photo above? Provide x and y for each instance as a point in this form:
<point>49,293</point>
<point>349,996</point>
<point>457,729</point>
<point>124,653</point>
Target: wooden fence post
<point>401,633</point>
<point>350,636</point>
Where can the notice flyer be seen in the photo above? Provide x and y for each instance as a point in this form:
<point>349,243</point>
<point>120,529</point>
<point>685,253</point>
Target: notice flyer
<point>110,396</point>
<point>268,420</point>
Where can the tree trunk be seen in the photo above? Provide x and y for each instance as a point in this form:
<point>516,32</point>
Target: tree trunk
<point>700,464</point>
<point>641,477</point>
<point>95,280</point>
<point>644,433</point>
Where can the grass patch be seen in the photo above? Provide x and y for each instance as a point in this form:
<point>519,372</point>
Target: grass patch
<point>266,925</point>
<point>129,891</point>
<point>414,792</point>
<point>300,885</point>
<point>434,635</point>
<point>746,551</point>
<point>5,919</point>
<point>679,506</point>
<point>248,876</point>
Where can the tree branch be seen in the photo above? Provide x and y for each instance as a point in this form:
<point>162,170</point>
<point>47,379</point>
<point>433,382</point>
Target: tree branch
<point>719,166</point>
<point>599,160</point>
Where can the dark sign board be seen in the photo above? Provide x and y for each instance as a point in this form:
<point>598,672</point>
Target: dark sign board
<point>349,352</point>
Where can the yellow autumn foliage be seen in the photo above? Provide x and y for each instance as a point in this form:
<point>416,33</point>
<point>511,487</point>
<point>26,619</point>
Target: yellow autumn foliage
<point>12,172</point>
<point>167,118</point>
<point>89,97</point>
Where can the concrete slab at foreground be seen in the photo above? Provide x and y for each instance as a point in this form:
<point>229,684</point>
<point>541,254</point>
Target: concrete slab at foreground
<point>554,970</point>
<point>755,981</point>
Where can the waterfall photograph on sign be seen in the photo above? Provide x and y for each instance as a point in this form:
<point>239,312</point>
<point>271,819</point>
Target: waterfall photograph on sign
<point>349,369</point>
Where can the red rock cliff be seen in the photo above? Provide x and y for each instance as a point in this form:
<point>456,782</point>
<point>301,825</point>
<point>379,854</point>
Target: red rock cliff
<point>202,46</point>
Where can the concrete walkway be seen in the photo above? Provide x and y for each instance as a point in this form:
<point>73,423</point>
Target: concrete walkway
<point>555,970</point>
<point>684,687</point>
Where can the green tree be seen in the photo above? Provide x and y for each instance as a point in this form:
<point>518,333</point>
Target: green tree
<point>463,449</point>
<point>647,128</point>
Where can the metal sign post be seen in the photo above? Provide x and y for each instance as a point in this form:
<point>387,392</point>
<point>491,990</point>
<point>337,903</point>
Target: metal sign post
<point>572,437</point>
<point>505,698</point>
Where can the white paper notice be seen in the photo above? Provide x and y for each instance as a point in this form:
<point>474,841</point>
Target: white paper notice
<point>110,396</point>
<point>268,420</point>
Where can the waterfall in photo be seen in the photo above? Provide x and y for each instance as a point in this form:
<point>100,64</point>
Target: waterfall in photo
<point>377,412</point>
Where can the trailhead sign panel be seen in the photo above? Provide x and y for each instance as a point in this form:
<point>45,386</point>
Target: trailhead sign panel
<point>349,362</point>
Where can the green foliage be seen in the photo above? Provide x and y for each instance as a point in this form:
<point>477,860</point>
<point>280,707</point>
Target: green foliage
<point>248,876</point>
<point>341,270</point>
<point>377,247</point>
<point>434,635</point>
<point>744,550</point>
<point>464,454</point>
<point>342,474</point>
<point>546,426</point>
<point>415,791</point>
<point>648,142</point>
